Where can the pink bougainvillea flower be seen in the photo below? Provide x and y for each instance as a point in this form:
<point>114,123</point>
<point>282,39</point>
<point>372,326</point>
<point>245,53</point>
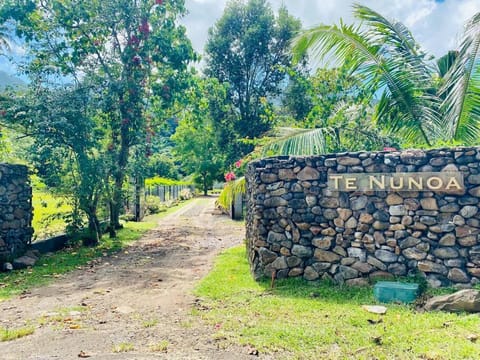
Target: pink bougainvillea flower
<point>137,60</point>
<point>144,27</point>
<point>238,163</point>
<point>133,40</point>
<point>389,149</point>
<point>229,176</point>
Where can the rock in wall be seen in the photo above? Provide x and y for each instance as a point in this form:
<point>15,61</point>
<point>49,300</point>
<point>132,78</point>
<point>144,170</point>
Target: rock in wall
<point>299,224</point>
<point>15,211</point>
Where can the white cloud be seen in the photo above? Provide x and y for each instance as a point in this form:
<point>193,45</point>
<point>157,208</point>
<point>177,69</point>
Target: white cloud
<point>436,25</point>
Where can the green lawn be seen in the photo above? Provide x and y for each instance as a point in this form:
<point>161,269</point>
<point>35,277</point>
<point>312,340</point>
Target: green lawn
<point>48,213</point>
<point>50,267</point>
<point>303,320</point>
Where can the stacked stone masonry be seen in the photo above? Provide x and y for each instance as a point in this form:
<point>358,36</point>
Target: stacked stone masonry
<point>298,226</point>
<point>15,211</point>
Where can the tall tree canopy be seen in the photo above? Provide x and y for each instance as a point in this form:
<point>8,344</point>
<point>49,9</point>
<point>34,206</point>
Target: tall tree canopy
<point>248,48</point>
<point>134,52</point>
<point>195,140</point>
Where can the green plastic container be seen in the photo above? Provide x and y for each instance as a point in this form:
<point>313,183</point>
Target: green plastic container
<point>391,291</point>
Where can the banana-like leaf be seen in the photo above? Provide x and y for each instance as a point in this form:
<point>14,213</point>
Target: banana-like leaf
<point>297,141</point>
<point>230,190</point>
<point>462,88</point>
<point>386,56</point>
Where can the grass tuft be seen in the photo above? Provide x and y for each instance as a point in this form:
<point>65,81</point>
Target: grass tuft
<point>301,319</point>
<point>161,346</point>
<point>13,334</point>
<point>150,323</point>
<point>123,347</point>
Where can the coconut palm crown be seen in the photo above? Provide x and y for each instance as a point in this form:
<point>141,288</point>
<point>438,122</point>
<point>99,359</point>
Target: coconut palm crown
<point>422,101</point>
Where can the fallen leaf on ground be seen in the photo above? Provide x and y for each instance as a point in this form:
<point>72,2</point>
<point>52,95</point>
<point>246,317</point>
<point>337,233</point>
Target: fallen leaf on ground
<point>252,351</point>
<point>375,309</point>
<point>472,337</point>
<point>83,354</point>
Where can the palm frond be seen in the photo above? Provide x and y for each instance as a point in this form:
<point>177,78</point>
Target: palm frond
<point>230,191</point>
<point>462,88</point>
<point>445,63</point>
<point>5,38</point>
<point>296,141</point>
<point>385,55</point>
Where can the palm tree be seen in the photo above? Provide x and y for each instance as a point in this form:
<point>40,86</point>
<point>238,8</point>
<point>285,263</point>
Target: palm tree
<point>461,106</point>
<point>390,62</point>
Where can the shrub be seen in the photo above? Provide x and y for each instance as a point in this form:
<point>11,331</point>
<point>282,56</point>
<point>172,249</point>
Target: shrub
<point>185,194</point>
<point>153,205</point>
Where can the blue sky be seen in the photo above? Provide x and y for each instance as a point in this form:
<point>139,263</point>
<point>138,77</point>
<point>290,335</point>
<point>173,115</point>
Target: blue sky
<point>436,24</point>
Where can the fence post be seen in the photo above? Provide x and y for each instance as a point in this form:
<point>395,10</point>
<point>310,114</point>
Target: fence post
<point>138,199</point>
<point>236,212</point>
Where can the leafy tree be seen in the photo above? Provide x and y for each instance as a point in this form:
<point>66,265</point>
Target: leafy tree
<point>162,165</point>
<point>66,144</point>
<point>335,115</point>
<point>248,49</point>
<point>389,61</point>
<point>134,51</point>
<point>195,138</point>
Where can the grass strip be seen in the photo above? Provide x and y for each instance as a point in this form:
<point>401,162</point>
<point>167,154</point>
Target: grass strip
<point>304,320</point>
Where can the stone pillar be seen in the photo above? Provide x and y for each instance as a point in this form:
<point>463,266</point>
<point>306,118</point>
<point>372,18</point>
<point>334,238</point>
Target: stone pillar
<point>15,211</point>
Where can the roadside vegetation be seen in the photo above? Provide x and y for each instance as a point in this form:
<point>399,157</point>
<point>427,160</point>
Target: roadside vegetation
<point>304,320</point>
<point>53,265</point>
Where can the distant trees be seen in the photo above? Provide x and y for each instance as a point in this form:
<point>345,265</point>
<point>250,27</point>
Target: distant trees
<point>133,53</point>
<point>248,50</point>
<point>196,144</point>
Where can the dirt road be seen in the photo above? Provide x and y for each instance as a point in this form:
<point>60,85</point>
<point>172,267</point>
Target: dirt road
<point>134,305</point>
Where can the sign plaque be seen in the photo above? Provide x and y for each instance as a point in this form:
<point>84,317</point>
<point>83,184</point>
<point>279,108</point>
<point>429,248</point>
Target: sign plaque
<point>446,182</point>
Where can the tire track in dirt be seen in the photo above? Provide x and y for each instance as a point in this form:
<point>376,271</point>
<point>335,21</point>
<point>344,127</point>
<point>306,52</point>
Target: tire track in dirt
<point>138,298</point>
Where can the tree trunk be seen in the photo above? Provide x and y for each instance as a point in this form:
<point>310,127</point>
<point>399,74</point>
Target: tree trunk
<point>205,187</point>
<point>116,202</point>
<point>94,231</point>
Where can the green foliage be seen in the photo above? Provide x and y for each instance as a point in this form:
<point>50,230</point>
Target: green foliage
<point>337,116</point>
<point>462,88</point>
<point>230,190</point>
<point>248,49</point>
<point>49,213</point>
<point>388,60</point>
<point>66,145</point>
<point>301,319</point>
<point>161,165</point>
<point>195,139</point>
<point>114,47</point>
<point>153,205</point>
<point>157,180</point>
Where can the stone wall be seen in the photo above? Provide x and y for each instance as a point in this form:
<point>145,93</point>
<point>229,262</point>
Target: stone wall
<point>297,225</point>
<point>15,211</point>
